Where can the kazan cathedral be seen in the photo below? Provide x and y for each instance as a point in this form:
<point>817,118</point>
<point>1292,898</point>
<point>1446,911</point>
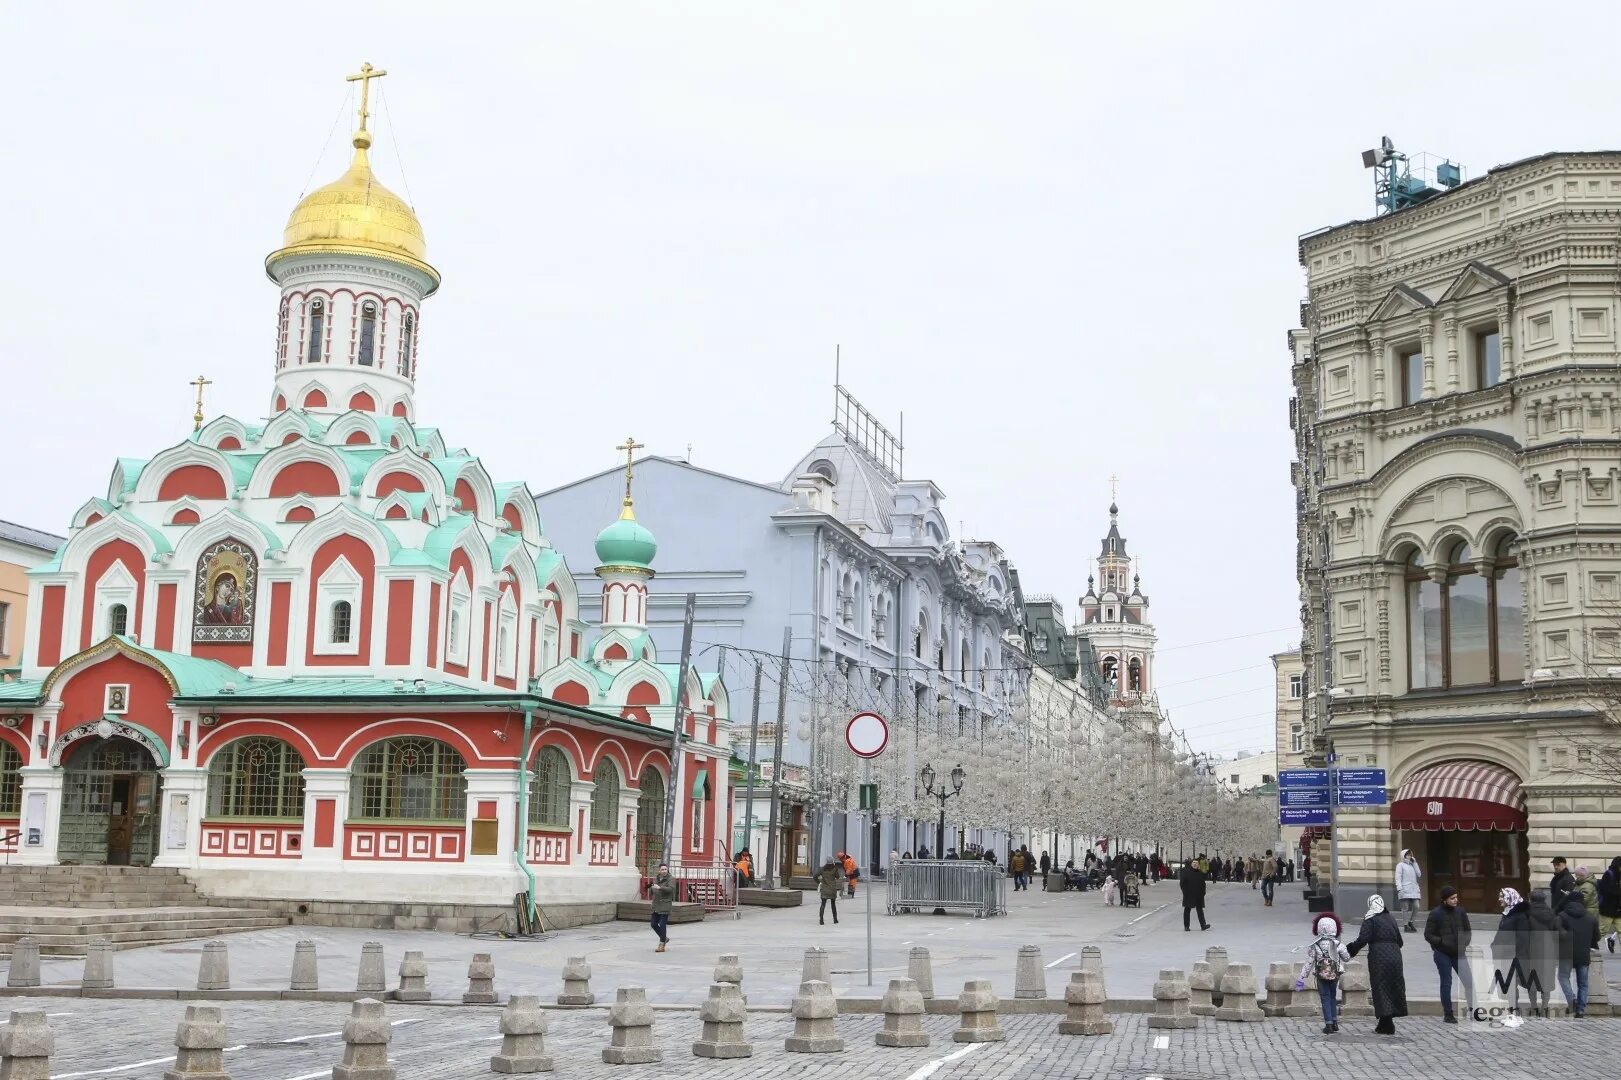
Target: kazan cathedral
<point>329,641</point>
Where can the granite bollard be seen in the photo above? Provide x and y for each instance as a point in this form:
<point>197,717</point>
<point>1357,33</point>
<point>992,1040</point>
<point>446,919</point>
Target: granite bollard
<point>214,970</point>
<point>1084,999</point>
<point>98,965</point>
<point>24,967</point>
<point>631,1018</point>
<point>1172,1001</point>
<point>1200,987</point>
<point>370,978</point>
<point>413,978</point>
<point>920,969</point>
<point>1238,991</point>
<point>481,981</point>
<point>1216,957</point>
<point>1281,998</point>
<point>1598,992</point>
<point>305,974</point>
<point>26,1044</point>
<point>576,983</point>
<point>1029,977</point>
<point>903,1015</point>
<point>1091,959</point>
<point>722,1015</point>
<point>523,1037</point>
<point>365,1043</point>
<point>199,1046</point>
<point>815,1020</point>
<point>817,967</point>
<point>976,1014</point>
<point>729,969</point>
<point>1357,999</point>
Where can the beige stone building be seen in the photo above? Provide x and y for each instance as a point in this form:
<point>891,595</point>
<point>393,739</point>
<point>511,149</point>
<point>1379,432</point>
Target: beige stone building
<point>1458,427</point>
<point>21,549</point>
<point>1289,751</point>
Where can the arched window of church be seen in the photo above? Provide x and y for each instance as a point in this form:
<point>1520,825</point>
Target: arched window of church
<point>317,330</point>
<point>1135,675</point>
<point>256,777</point>
<point>368,332</point>
<point>408,778</point>
<point>605,797</point>
<point>118,619</point>
<point>343,618</point>
<point>407,339</point>
<point>549,790</point>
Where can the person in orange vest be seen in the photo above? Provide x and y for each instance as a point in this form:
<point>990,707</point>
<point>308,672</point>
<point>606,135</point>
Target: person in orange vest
<point>852,872</point>
<point>745,869</point>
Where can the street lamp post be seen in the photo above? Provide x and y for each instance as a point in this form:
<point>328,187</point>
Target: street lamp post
<point>927,777</point>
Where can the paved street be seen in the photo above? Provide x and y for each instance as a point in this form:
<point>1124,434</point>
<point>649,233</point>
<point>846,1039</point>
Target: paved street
<point>1136,944</point>
<point>301,1041</point>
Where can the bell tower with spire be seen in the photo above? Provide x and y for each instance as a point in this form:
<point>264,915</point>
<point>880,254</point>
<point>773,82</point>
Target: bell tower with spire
<point>353,274</point>
<point>1114,618</point>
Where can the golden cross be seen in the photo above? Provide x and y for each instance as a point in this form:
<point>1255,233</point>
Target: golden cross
<point>197,418</point>
<point>1114,487</point>
<point>364,76</point>
<point>629,446</point>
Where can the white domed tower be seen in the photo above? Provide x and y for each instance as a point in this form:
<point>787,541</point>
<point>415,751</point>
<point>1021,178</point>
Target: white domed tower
<point>353,274</point>
<point>1114,617</point>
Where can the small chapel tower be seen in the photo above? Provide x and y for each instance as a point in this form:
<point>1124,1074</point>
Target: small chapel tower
<point>626,549</point>
<point>1114,617</point>
<point>353,274</point>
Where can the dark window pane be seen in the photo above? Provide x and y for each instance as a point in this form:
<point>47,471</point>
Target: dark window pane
<point>1467,619</point>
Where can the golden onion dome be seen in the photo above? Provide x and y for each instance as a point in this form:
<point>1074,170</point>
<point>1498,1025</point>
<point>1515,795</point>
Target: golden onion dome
<point>356,215</point>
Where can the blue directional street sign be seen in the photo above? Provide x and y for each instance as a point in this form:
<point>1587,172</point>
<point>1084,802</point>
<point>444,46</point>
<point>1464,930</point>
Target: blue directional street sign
<point>1362,778</point>
<point>1303,797</point>
<point>1311,815</point>
<point>1303,778</point>
<point>1360,796</point>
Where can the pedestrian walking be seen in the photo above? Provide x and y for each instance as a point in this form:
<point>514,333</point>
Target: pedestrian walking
<point>1326,959</point>
<point>1560,883</point>
<point>1193,893</point>
<point>1609,903</point>
<point>852,872</point>
<point>1269,877</point>
<point>1587,889</point>
<point>1447,932</point>
<point>1407,893</point>
<point>827,887</point>
<point>1578,930</point>
<point>1015,865</point>
<point>662,893</point>
<point>1046,865</point>
<point>1382,938</point>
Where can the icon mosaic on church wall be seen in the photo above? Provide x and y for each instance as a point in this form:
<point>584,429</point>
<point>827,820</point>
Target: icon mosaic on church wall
<point>227,580</point>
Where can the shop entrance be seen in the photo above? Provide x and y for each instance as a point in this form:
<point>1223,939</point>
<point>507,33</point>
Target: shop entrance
<point>109,805</point>
<point>1477,863</point>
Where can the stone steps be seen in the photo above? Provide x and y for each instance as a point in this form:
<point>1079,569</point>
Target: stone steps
<point>63,936</point>
<point>96,887</point>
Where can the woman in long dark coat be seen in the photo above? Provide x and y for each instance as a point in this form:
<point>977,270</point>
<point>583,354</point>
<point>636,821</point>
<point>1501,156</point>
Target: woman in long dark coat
<point>1383,939</point>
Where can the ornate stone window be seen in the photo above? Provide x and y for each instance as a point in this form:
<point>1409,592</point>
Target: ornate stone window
<point>549,790</point>
<point>312,354</point>
<point>118,619</point>
<point>368,333</point>
<point>409,778</point>
<point>11,781</point>
<point>605,797</point>
<point>256,777</point>
<point>407,343</point>
<point>1464,629</point>
<point>342,622</point>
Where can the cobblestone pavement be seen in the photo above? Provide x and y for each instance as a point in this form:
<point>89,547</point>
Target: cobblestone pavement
<point>302,1041</point>
<point>1136,943</point>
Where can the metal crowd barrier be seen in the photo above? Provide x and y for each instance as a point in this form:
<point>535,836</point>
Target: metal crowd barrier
<point>925,884</point>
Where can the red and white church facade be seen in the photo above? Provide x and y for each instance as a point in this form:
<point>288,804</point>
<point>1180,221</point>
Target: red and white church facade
<point>326,656</point>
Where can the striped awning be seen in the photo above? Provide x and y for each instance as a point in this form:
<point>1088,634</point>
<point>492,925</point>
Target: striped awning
<point>1460,796</point>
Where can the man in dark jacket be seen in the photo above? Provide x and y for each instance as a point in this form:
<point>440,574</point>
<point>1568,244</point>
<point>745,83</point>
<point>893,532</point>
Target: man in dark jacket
<point>1193,890</point>
<point>1609,903</point>
<point>1577,927</point>
<point>1561,883</point>
<point>661,890</point>
<point>1447,932</point>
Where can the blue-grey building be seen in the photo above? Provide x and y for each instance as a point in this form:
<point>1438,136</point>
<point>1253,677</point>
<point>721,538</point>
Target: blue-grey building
<point>884,608</point>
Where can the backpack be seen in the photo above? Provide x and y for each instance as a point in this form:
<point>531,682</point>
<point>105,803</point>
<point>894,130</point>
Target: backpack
<point>1326,961</point>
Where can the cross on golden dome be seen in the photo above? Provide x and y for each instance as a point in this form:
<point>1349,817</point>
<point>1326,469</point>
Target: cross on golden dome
<point>197,418</point>
<point>364,76</point>
<point>629,446</point>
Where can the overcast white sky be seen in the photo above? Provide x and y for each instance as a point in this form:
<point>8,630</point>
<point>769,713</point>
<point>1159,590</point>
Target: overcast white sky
<point>1059,237</point>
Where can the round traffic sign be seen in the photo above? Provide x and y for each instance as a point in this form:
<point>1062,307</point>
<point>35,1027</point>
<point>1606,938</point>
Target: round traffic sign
<point>866,734</point>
